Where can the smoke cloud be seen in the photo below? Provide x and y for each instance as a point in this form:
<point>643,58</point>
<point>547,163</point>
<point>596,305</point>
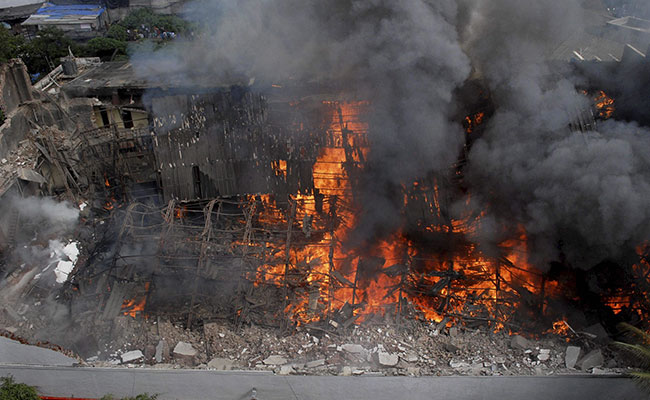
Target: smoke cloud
<point>44,225</point>
<point>579,196</point>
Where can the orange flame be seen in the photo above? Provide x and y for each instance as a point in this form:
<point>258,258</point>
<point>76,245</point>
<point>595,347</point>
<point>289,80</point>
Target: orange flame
<point>180,212</point>
<point>605,105</point>
<point>473,121</point>
<point>394,273</point>
<point>136,305</point>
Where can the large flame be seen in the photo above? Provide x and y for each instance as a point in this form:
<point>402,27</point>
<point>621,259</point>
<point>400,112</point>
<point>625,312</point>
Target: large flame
<point>396,275</point>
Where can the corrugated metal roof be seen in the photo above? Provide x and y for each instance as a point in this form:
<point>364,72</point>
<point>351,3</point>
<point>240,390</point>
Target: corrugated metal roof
<point>60,14</point>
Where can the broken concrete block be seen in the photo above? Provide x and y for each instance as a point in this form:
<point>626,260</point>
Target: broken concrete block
<point>162,352</point>
<point>275,360</point>
<point>221,364</point>
<point>599,331</point>
<point>458,364</point>
<point>287,370</point>
<point>519,342</point>
<point>185,354</point>
<point>592,359</point>
<point>184,349</point>
<point>353,348</point>
<point>411,357</point>
<point>149,353</point>
<point>544,355</point>
<point>131,356</point>
<point>387,359</point>
<point>315,363</point>
<point>571,356</point>
<point>346,371</point>
<point>450,348</point>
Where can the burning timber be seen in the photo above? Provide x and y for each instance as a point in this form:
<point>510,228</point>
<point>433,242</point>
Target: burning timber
<point>221,209</point>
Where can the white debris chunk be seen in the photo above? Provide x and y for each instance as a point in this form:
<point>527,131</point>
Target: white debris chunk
<point>65,258</point>
<point>185,349</point>
<point>275,360</point>
<point>387,359</point>
<point>131,356</point>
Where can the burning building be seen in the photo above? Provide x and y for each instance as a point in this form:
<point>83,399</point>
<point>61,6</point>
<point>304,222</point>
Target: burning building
<point>441,190</point>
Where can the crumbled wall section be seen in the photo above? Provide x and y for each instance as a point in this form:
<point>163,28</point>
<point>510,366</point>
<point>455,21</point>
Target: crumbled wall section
<point>14,85</point>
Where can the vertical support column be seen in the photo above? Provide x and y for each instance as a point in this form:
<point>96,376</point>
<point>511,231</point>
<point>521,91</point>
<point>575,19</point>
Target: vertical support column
<point>333,223</point>
<point>356,281</point>
<point>287,256</point>
<point>245,246</point>
<point>406,260</point>
<point>497,288</point>
<point>205,240</point>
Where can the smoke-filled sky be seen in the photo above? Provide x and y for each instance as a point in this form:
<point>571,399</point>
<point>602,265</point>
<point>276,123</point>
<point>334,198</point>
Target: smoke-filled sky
<point>585,195</point>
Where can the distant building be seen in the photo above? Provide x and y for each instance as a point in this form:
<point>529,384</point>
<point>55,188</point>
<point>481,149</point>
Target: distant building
<point>79,22</point>
<point>15,12</point>
<point>159,6</point>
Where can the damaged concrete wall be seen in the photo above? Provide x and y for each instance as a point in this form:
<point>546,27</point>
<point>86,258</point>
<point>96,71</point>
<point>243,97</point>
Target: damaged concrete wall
<point>28,110</point>
<point>225,144</point>
<point>15,85</point>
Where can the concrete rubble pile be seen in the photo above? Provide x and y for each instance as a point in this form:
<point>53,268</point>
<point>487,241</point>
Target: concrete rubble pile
<point>367,350</point>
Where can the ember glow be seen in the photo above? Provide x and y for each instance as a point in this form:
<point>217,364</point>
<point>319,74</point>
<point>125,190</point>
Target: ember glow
<point>605,105</point>
<point>472,121</point>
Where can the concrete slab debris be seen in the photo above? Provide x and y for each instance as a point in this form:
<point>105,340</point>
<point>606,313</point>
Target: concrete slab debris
<point>519,342</point>
<point>387,359</point>
<point>131,356</point>
<point>275,360</point>
<point>353,348</point>
<point>571,356</point>
<point>184,349</point>
<point>221,364</point>
<point>591,360</point>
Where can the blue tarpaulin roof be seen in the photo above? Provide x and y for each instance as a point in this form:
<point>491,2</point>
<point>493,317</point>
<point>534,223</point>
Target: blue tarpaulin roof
<point>52,12</point>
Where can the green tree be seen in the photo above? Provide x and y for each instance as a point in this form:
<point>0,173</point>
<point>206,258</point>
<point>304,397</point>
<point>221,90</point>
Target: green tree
<point>117,32</point>
<point>10,45</point>
<point>641,351</point>
<point>42,53</point>
<point>136,19</point>
<point>10,390</point>
<point>105,48</point>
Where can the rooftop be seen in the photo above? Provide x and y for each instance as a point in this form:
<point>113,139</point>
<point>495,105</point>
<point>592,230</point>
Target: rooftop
<point>600,37</point>
<point>16,9</point>
<point>52,14</point>
<point>633,23</point>
<point>109,77</point>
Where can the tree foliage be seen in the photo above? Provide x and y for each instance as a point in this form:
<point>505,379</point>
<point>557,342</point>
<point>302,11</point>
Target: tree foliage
<point>42,53</point>
<point>105,47</point>
<point>640,350</point>
<point>10,45</point>
<point>10,390</point>
<point>143,17</point>
<point>117,32</point>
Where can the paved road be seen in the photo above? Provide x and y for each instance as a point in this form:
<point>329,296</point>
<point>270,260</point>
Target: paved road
<point>13,352</point>
<point>212,385</point>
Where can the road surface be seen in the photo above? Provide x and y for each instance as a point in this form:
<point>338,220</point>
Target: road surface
<point>238,385</point>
